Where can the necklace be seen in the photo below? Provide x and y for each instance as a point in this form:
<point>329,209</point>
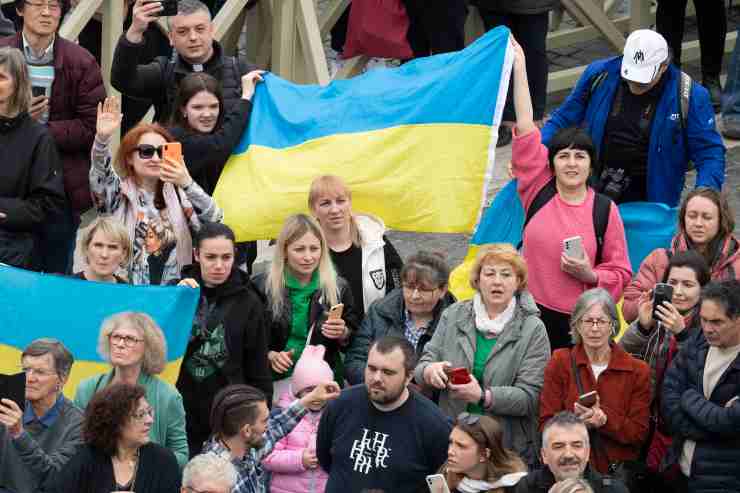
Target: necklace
<point>132,463</point>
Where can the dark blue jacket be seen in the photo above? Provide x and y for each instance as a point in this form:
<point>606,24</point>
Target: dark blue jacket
<point>668,155</point>
<point>715,428</point>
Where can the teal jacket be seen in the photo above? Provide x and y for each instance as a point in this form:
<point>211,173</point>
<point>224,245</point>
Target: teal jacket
<point>168,429</point>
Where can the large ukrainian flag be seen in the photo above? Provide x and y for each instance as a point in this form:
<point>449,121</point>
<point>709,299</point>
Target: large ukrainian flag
<point>415,143</point>
<point>39,305</point>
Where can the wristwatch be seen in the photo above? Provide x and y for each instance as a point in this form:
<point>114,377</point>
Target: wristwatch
<point>482,401</point>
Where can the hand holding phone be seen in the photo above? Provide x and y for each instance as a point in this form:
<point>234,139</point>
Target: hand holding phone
<point>335,312</point>
<point>661,292</point>
<point>573,247</point>
<point>588,399</point>
<point>437,484</point>
<point>458,376</point>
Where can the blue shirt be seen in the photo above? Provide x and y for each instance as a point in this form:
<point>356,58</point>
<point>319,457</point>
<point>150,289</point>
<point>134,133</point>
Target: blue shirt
<point>48,419</point>
<point>411,333</point>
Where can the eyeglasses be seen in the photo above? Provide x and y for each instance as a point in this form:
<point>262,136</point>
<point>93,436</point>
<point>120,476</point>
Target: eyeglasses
<point>415,287</point>
<point>598,323</point>
<point>141,415</point>
<point>128,341</point>
<point>39,372</point>
<point>52,6</point>
<point>468,419</point>
<point>146,151</point>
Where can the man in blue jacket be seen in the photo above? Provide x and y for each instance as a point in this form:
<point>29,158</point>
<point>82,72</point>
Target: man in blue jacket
<point>633,110</point>
<point>701,397</point>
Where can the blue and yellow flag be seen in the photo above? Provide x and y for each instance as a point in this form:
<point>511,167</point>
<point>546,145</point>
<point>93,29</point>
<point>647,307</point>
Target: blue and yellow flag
<point>72,310</point>
<point>415,144</point>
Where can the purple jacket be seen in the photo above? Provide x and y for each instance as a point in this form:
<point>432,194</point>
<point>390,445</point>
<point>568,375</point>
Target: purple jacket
<point>77,90</point>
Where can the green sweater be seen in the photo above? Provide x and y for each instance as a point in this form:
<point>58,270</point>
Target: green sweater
<point>168,429</point>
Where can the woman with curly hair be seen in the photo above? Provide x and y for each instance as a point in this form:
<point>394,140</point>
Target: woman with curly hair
<point>118,455</point>
<point>135,347</point>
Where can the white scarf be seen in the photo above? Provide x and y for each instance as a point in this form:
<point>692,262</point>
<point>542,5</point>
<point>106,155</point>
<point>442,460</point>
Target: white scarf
<point>468,485</point>
<point>492,326</point>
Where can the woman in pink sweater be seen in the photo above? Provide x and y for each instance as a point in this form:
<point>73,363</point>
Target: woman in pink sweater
<point>293,462</point>
<point>557,279</point>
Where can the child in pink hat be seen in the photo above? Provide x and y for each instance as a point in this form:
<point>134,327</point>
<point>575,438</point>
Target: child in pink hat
<point>293,462</point>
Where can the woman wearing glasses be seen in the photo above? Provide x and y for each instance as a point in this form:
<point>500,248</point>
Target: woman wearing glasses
<point>477,460</point>
<point>38,438</point>
<point>602,384</point>
<point>152,195</point>
<point>412,311</point>
<point>118,454</point>
<point>497,343</point>
<point>134,345</point>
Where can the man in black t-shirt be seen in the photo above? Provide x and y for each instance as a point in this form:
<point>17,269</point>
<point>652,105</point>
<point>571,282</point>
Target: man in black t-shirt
<point>381,435</point>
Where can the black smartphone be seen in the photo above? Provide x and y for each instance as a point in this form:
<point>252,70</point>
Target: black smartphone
<point>38,91</point>
<point>661,292</point>
<point>169,7</point>
<point>13,387</point>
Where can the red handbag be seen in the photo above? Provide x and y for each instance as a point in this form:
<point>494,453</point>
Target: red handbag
<point>377,28</point>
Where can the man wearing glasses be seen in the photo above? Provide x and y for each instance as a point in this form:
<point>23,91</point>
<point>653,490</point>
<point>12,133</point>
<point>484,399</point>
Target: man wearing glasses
<point>37,441</point>
<point>647,120</point>
<point>67,87</point>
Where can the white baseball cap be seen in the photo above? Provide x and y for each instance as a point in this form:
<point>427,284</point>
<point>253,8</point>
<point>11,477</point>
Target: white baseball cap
<point>644,51</point>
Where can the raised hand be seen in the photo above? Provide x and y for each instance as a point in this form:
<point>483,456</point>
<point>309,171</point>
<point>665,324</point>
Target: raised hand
<point>249,82</point>
<point>109,118</point>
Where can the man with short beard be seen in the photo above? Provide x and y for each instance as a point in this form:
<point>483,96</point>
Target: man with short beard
<point>565,452</point>
<point>381,435</point>
<point>244,431</point>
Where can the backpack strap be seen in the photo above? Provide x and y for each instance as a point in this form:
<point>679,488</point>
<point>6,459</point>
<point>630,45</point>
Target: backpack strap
<point>600,216</point>
<point>544,195</point>
<point>595,83</point>
<point>684,97</point>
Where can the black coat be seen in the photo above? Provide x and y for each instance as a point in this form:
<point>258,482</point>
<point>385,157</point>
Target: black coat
<point>317,314</point>
<point>91,471</point>
<point>160,79</point>
<point>714,427</point>
<point>206,154</point>
<point>541,480</point>
<point>527,7</point>
<point>31,187</point>
<point>386,317</point>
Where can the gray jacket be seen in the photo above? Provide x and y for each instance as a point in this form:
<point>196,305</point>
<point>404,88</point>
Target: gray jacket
<point>514,372</point>
<point>39,452</point>
<point>6,26</point>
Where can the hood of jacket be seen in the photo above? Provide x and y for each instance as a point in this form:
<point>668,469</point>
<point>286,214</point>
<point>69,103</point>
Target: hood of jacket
<point>371,229</point>
<point>729,251</point>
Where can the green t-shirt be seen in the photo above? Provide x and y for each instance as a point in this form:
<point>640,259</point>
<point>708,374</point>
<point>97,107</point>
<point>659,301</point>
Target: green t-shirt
<point>300,302</point>
<point>483,347</point>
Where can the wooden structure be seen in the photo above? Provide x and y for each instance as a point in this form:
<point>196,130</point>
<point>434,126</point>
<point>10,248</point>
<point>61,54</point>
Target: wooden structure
<point>286,35</point>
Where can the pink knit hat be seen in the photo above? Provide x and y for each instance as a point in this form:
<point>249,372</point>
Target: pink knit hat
<point>311,369</point>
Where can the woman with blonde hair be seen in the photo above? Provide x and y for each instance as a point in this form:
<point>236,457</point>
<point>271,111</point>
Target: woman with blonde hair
<point>148,192</point>
<point>104,248</point>
<point>498,346</point>
<point>31,187</point>
<point>301,288</point>
<point>134,345</point>
<point>357,244</point>
<point>477,460</point>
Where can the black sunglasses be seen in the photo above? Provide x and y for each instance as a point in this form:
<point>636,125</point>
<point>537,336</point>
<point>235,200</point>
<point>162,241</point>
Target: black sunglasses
<point>468,419</point>
<point>146,151</point>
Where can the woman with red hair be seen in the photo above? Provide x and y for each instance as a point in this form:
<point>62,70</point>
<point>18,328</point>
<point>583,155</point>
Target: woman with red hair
<point>153,196</point>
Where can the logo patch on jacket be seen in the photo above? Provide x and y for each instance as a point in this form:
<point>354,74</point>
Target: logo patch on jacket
<point>378,277</point>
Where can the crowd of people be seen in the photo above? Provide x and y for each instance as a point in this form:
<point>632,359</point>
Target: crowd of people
<point>343,367</point>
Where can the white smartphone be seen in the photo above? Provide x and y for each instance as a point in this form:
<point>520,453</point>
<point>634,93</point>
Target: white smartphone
<point>573,246</point>
<point>437,484</point>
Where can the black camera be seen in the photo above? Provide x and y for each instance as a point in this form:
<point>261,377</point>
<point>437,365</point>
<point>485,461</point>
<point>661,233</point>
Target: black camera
<point>169,7</point>
<point>614,182</point>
